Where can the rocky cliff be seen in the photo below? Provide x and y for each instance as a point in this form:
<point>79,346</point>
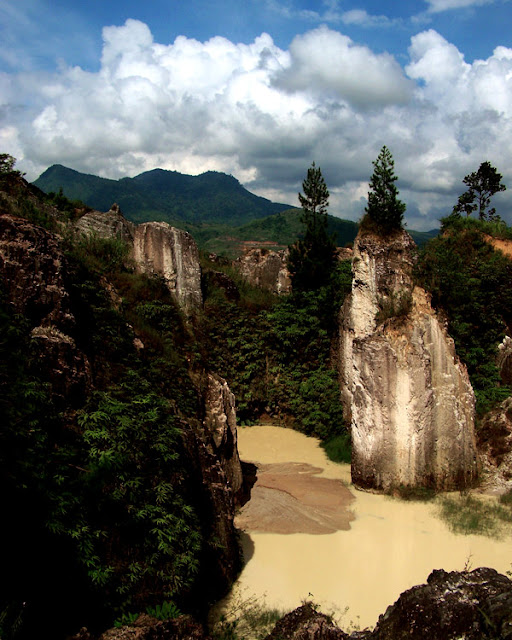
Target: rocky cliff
<point>32,266</point>
<point>171,253</point>
<point>157,249</point>
<point>406,394</point>
<point>266,269</point>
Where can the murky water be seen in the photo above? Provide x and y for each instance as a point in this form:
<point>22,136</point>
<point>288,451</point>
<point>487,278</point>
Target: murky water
<point>391,545</point>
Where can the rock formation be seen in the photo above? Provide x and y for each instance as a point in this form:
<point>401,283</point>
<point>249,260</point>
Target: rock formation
<point>157,249</point>
<point>495,447</point>
<point>32,267</point>
<point>471,605</point>
<point>106,225</point>
<point>220,424</point>
<point>266,269</point>
<point>504,360</point>
<point>173,254</point>
<point>406,394</point>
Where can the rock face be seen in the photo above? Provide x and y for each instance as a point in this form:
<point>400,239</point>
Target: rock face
<point>495,447</point>
<point>220,424</point>
<point>171,253</point>
<point>32,267</point>
<point>266,269</point>
<point>504,360</point>
<point>406,394</point>
<point>450,606</point>
<point>106,225</point>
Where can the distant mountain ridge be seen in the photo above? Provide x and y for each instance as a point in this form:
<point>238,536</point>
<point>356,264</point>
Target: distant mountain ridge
<point>167,196</point>
<point>214,207</point>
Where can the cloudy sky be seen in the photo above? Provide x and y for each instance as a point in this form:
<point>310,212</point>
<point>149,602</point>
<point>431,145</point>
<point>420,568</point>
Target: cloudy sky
<point>261,88</point>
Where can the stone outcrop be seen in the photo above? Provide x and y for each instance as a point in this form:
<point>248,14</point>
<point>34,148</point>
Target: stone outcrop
<point>160,249</point>
<point>495,447</point>
<point>406,394</point>
<point>266,269</point>
<point>111,224</point>
<point>504,360</point>
<point>32,266</point>
<point>157,249</point>
<point>220,424</point>
<point>471,605</point>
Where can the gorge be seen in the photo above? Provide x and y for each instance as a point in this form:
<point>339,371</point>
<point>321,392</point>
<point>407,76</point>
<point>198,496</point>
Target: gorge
<point>128,352</point>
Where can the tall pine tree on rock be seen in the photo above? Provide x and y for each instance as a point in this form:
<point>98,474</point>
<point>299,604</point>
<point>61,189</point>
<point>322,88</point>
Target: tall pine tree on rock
<point>385,212</point>
<point>311,260</point>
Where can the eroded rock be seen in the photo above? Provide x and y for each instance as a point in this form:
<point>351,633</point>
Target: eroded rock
<point>471,605</point>
<point>495,447</point>
<point>220,424</point>
<point>32,266</point>
<point>406,393</point>
<point>160,249</point>
<point>266,269</point>
<point>111,224</point>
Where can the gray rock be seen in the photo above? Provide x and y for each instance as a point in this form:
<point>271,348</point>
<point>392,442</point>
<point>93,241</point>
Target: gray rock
<point>266,269</point>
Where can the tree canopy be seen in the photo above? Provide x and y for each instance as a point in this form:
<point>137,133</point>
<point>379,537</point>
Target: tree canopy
<point>313,258</point>
<point>483,184</point>
<point>384,209</point>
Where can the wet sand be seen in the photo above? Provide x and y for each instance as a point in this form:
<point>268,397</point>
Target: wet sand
<point>289,498</point>
<point>390,546</point>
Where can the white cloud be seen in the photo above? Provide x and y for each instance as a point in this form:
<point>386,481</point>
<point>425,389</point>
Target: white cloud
<point>328,62</point>
<point>263,114</point>
<point>436,6</point>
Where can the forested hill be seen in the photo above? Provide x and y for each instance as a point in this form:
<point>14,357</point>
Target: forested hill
<point>162,195</point>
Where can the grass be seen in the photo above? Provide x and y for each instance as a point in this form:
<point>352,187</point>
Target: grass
<point>249,619</point>
<point>339,448</point>
<point>467,514</point>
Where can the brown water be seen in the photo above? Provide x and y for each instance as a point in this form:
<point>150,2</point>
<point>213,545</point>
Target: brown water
<point>391,544</point>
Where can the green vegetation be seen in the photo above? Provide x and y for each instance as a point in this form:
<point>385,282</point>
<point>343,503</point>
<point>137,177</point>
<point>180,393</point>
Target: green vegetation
<point>467,514</point>
<point>312,259</point>
<point>482,185</point>
<point>385,212</point>
<point>470,283</point>
<point>246,619</point>
<point>275,353</point>
<point>161,195</point>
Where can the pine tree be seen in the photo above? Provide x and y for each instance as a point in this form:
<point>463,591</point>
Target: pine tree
<point>384,208</point>
<point>483,184</point>
<point>312,259</point>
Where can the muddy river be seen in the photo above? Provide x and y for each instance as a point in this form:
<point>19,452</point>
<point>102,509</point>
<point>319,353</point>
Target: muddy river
<point>310,535</point>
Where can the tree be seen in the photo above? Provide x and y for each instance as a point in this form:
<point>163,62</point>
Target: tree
<point>483,184</point>
<point>312,260</point>
<point>384,208</point>
<point>7,163</point>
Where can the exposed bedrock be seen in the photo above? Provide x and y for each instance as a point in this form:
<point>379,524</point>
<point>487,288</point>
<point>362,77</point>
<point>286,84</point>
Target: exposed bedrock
<point>406,394</point>
<point>32,266</point>
<point>471,605</point>
<point>160,249</point>
<point>220,425</point>
<point>266,269</point>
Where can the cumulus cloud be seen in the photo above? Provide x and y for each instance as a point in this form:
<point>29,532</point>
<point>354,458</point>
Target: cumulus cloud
<point>328,62</point>
<point>263,114</point>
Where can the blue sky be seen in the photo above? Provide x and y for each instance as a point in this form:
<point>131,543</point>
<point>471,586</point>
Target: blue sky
<point>259,89</point>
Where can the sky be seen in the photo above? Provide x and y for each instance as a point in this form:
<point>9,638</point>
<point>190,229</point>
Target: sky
<point>260,89</point>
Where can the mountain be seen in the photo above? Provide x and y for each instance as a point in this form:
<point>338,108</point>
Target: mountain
<point>166,196</point>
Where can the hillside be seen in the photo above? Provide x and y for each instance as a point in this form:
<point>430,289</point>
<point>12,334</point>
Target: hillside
<point>166,196</point>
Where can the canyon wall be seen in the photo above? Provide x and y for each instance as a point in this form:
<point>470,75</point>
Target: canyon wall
<point>406,394</point>
<point>266,269</point>
<point>157,249</point>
